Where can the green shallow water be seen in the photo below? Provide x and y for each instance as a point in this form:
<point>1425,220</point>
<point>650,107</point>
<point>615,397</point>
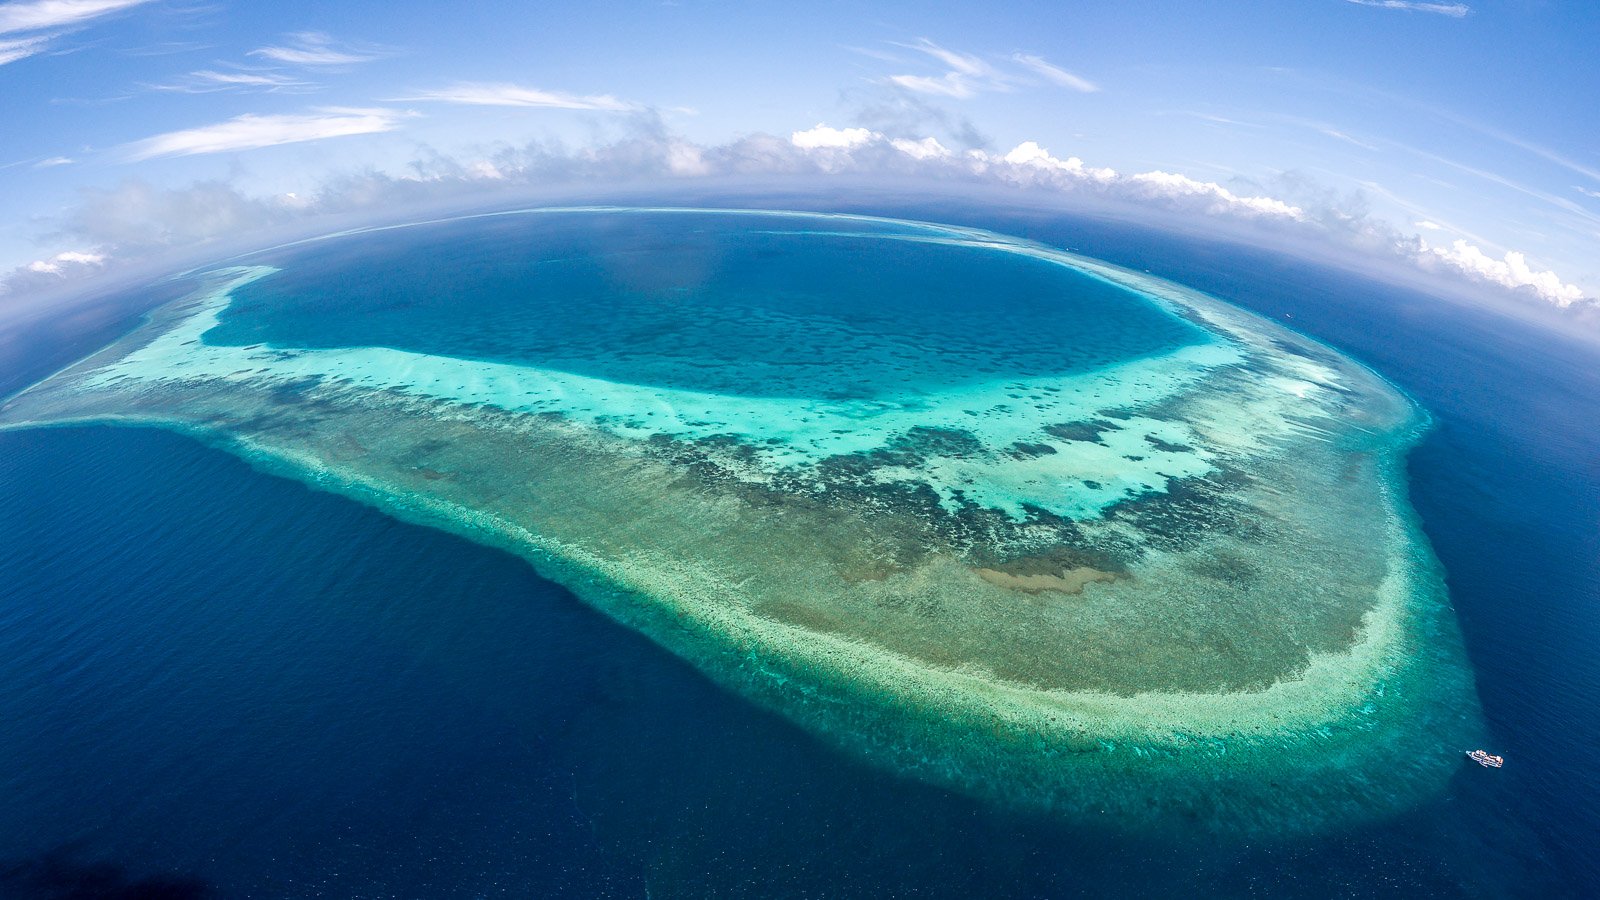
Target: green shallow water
<point>1180,585</point>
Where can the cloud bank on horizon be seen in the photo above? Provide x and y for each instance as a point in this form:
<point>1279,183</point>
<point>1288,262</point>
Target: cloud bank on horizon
<point>226,149</point>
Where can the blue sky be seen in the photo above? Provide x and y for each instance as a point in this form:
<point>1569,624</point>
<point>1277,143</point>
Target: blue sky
<point>1447,134</point>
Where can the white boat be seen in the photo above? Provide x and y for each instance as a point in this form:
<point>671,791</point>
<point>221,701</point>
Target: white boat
<point>1486,759</point>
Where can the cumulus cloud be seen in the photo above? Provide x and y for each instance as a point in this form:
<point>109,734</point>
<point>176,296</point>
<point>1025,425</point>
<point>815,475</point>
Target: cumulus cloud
<point>249,132</point>
<point>927,148</point>
<point>1453,10</point>
<point>315,49</point>
<point>1056,75</point>
<point>43,15</point>
<point>54,264</point>
<point>502,94</point>
<point>823,136</point>
<point>136,218</point>
<point>1032,165</point>
<point>1215,195</point>
<point>53,271</point>
<point>1029,155</point>
<point>1510,271</point>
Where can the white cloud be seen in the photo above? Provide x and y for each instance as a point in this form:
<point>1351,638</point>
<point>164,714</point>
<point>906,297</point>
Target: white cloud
<point>927,148</point>
<point>823,136</point>
<point>1559,202</point>
<point>249,132</point>
<point>1167,188</point>
<point>873,53</point>
<point>61,262</point>
<point>136,218</point>
<point>1220,198</point>
<point>1511,271</point>
<point>1538,150</point>
<point>1055,74</point>
<point>961,63</point>
<point>1454,10</point>
<point>243,78</point>
<point>686,160</point>
<point>22,48</point>
<point>313,48</point>
<point>1339,135</point>
<point>831,149</point>
<point>489,94</point>
<point>208,81</point>
<point>40,15</point>
<point>967,75</point>
<point>951,84</point>
<point>1029,154</point>
<point>50,16</point>
<point>1586,192</point>
<point>53,161</point>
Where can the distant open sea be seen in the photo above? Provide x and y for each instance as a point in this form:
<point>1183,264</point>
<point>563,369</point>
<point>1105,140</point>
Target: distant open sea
<point>217,682</point>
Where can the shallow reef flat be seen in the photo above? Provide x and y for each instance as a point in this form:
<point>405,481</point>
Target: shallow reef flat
<point>1056,534</point>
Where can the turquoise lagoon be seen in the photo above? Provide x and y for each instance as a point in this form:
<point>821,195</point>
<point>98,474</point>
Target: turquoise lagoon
<point>984,512</point>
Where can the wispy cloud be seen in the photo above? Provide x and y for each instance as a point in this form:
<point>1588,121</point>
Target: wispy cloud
<point>313,48</point>
<point>963,63</point>
<point>1586,192</point>
<point>1216,119</point>
<point>1559,202</point>
<point>29,28</point>
<point>1454,10</point>
<point>501,94</point>
<point>1545,153</point>
<point>1055,74</point>
<point>53,161</point>
<point>873,53</point>
<point>166,48</point>
<point>44,15</point>
<point>951,84</point>
<point>22,48</point>
<point>207,81</point>
<point>1339,135</point>
<point>966,74</point>
<point>250,132</point>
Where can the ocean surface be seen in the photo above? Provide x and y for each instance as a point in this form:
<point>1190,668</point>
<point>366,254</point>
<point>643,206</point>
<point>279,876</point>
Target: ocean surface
<point>217,682</point>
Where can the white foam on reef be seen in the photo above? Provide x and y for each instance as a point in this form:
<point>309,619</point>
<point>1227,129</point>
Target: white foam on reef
<point>1266,745</point>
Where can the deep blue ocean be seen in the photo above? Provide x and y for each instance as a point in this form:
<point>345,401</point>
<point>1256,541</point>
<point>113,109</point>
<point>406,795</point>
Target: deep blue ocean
<point>216,682</point>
